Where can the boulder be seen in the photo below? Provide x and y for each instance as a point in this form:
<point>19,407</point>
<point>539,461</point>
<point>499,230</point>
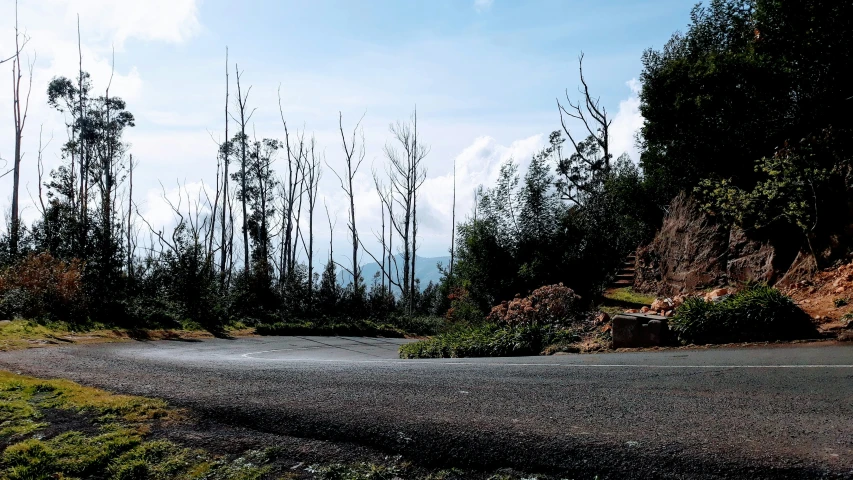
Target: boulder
<point>716,295</point>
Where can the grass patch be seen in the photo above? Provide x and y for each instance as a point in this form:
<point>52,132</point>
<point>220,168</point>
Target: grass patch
<point>628,295</point>
<point>19,334</point>
<point>757,313</point>
<point>106,436</point>
<point>488,340</point>
<point>113,444</point>
<point>361,328</point>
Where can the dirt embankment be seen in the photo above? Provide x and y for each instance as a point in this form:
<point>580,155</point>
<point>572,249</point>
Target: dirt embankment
<point>694,251</point>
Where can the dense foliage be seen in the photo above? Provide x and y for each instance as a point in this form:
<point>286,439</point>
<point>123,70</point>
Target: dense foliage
<point>746,76</point>
<point>523,235</point>
<point>757,313</point>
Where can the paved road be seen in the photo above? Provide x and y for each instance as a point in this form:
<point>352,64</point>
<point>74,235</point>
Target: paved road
<point>771,412</point>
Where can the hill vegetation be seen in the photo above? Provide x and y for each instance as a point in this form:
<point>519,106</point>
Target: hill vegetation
<point>746,111</point>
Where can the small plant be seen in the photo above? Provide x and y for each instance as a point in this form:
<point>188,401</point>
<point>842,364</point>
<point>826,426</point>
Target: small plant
<point>840,302</point>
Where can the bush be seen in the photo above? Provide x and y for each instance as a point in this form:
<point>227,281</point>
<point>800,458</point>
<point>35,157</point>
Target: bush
<point>463,310</point>
<point>482,341</point>
<point>42,287</point>
<point>488,340</point>
<point>353,328</point>
<point>758,313</point>
<point>548,305</point>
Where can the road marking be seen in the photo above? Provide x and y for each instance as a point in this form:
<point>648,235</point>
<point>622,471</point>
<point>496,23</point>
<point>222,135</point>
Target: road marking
<point>251,355</point>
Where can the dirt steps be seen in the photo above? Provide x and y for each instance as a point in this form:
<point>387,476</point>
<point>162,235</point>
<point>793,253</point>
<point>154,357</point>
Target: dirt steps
<point>625,277</point>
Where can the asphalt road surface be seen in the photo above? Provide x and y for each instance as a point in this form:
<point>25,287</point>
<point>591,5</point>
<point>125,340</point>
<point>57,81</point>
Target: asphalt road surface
<point>774,412</point>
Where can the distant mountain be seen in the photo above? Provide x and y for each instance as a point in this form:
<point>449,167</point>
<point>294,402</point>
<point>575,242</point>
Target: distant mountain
<point>426,270</point>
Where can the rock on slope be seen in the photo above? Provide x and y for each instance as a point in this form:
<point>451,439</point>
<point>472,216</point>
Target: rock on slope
<point>693,251</point>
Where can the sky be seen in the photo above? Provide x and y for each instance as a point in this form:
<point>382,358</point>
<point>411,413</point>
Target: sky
<point>484,76</point>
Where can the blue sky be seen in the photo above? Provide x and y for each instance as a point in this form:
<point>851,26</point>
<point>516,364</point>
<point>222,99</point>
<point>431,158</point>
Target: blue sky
<point>483,74</point>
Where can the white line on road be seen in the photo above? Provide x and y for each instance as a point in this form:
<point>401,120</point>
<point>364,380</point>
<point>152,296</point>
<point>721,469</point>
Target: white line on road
<point>251,355</point>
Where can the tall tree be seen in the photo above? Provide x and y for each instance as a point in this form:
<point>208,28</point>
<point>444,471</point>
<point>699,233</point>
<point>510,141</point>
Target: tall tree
<point>590,162</point>
<point>20,117</point>
<point>313,174</point>
<point>353,157</point>
<point>225,151</point>
<point>406,175</point>
<point>242,143</point>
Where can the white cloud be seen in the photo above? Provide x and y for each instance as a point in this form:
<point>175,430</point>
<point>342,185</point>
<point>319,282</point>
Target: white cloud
<point>483,5</point>
<point>53,47</point>
<point>117,21</point>
<point>627,123</point>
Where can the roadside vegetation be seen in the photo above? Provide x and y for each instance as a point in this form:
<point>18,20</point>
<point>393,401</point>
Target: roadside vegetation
<point>754,314</point>
<point>551,319</point>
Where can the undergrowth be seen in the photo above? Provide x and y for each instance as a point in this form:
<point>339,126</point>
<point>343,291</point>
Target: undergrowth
<point>362,328</point>
<point>757,313</point>
<point>488,340</point>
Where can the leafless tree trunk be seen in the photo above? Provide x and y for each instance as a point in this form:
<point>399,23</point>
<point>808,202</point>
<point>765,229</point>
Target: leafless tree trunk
<point>353,163</point>
<point>406,176</point>
<point>84,163</point>
<point>314,173</point>
<point>331,231</point>
<point>20,121</point>
<point>225,150</point>
<point>130,245</point>
<point>453,225</point>
<point>597,125</point>
<point>244,120</point>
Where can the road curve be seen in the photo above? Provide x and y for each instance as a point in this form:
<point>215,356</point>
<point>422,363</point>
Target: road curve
<point>774,412</point>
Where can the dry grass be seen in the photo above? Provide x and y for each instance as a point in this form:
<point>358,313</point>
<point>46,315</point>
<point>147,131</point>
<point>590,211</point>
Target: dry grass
<point>22,334</point>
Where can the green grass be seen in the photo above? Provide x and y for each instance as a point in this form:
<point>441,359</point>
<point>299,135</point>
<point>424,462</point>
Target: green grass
<point>628,295</point>
<point>116,445</point>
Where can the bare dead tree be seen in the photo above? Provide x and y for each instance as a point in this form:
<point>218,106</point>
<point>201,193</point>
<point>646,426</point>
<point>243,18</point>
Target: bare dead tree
<point>225,150</point>
<point>453,224</point>
<point>353,157</point>
<point>331,231</point>
<point>314,172</point>
<point>406,175</point>
<point>245,116</point>
<point>18,46</point>
<point>82,90</point>
<point>20,122</point>
<point>131,246</point>
<point>592,156</point>
<point>40,206</point>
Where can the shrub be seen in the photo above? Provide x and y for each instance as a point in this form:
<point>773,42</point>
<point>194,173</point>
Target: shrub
<point>488,340</point>
<point>758,313</point>
<point>43,287</point>
<point>548,305</point>
<point>462,308</point>
<point>481,341</point>
<point>351,328</point>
